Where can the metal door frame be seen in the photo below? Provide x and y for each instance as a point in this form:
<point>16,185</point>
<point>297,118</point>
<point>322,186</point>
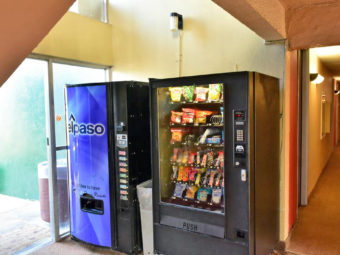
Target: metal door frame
<point>304,129</point>
<point>51,139</point>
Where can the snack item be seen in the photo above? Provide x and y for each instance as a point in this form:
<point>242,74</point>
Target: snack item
<point>220,160</point>
<point>174,172</point>
<point>185,157</point>
<point>201,116</point>
<point>198,158</point>
<point>174,155</point>
<point>205,179</point>
<point>180,156</point>
<point>180,174</point>
<point>191,159</point>
<point>216,119</point>
<point>179,189</point>
<point>189,139</point>
<point>204,160</point>
<point>212,178</point>
<point>202,194</point>
<point>176,94</point>
<point>222,112</point>
<point>188,115</point>
<point>198,179</point>
<point>191,191</point>
<point>176,135</point>
<point>201,94</point>
<point>215,92</point>
<point>214,140</point>
<point>185,174</point>
<point>210,158</point>
<point>216,196</point>
<point>192,175</point>
<point>176,117</point>
<point>218,180</point>
<point>188,93</point>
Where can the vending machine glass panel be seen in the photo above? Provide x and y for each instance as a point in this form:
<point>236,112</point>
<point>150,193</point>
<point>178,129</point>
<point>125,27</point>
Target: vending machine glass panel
<point>191,146</point>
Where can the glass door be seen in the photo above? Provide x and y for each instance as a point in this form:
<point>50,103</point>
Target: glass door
<point>60,74</point>
<point>191,146</point>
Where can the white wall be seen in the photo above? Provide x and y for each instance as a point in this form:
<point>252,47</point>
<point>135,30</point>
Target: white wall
<point>213,41</point>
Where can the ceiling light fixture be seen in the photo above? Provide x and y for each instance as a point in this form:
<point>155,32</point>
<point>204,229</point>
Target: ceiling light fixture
<point>316,78</point>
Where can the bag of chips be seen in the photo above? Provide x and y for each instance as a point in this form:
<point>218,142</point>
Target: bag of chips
<point>188,115</point>
<point>179,189</point>
<point>202,194</point>
<point>216,196</point>
<point>191,191</point>
<point>176,117</point>
<point>215,92</point>
<point>176,94</point>
<point>176,135</point>
<point>201,94</point>
<point>188,93</point>
<point>201,116</point>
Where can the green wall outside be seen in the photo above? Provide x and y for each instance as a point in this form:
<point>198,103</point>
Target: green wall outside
<point>22,130</point>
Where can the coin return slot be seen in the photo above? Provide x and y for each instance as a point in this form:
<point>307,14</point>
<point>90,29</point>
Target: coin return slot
<point>91,205</point>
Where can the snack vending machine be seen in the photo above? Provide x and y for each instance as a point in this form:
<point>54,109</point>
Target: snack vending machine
<point>109,154</point>
<point>215,160</point>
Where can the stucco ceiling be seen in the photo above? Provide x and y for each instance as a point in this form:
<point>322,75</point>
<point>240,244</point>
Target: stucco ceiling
<point>330,57</point>
<point>304,23</point>
<point>23,26</point>
<point>292,4</point>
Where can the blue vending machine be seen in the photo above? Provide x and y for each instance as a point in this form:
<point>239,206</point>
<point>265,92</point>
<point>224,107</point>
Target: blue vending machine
<point>108,138</point>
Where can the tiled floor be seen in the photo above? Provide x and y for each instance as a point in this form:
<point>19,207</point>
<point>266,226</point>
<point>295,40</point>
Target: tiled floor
<point>20,224</point>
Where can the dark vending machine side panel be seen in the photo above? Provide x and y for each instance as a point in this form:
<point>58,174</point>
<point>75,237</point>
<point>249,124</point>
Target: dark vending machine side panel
<point>132,158</point>
<point>89,187</point>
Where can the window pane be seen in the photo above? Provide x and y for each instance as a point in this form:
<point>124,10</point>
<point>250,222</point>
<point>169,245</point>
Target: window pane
<point>22,148</point>
<point>95,9</point>
<point>68,74</point>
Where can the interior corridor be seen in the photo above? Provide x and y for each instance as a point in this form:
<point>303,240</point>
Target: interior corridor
<point>317,229</point>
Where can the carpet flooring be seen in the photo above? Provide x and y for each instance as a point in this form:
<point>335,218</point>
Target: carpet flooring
<point>317,231</point>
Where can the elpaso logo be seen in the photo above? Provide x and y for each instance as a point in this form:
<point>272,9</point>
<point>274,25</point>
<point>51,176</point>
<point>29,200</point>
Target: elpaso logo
<point>84,129</point>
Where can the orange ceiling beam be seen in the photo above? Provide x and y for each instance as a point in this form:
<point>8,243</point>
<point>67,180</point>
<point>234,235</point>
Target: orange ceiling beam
<point>264,17</point>
<point>23,25</point>
<point>304,23</point>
